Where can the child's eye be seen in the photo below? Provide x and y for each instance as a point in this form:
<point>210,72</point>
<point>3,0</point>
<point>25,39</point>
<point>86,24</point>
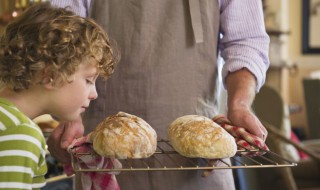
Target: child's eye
<point>89,81</point>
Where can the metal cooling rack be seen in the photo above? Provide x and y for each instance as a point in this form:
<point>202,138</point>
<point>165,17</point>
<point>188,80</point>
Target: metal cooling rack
<point>166,159</point>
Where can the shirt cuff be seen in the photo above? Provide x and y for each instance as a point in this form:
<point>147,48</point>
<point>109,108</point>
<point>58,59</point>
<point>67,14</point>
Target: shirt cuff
<point>258,70</point>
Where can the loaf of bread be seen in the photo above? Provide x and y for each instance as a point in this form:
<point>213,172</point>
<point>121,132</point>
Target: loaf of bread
<point>199,137</point>
<point>124,136</point>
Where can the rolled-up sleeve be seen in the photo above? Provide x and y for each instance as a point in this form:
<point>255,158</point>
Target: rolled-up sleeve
<point>80,7</point>
<point>244,42</point>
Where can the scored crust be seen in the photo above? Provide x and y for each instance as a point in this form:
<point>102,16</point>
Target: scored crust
<point>124,136</point>
<point>199,137</point>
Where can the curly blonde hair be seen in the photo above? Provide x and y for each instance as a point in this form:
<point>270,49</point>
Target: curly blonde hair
<point>51,39</point>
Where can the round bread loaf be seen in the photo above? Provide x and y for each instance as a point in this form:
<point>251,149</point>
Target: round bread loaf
<point>124,136</point>
<point>199,137</point>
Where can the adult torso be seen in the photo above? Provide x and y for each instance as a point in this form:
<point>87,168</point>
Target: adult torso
<point>163,74</point>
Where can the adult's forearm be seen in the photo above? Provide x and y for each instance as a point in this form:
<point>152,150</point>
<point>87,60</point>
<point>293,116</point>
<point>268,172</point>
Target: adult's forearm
<point>245,43</point>
<point>241,86</point>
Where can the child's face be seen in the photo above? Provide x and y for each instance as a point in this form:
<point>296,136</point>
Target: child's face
<point>73,98</point>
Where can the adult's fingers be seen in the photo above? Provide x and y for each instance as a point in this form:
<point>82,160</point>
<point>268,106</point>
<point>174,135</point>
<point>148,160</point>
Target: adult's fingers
<point>54,147</point>
<point>249,121</point>
<point>211,162</point>
<point>72,130</point>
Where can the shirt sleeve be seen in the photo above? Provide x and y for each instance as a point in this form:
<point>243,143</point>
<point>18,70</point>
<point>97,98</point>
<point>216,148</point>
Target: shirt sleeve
<point>80,7</point>
<point>244,42</point>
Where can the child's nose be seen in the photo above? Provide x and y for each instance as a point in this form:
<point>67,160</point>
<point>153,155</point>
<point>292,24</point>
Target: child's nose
<point>93,94</point>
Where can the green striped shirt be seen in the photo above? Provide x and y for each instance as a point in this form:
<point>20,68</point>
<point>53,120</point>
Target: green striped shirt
<point>22,150</point>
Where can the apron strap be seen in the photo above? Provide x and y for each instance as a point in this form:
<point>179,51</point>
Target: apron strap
<point>196,20</point>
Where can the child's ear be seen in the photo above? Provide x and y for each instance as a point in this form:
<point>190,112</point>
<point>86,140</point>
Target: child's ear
<point>48,83</point>
<point>47,80</point>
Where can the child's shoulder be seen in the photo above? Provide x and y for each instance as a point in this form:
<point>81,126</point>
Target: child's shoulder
<point>11,116</point>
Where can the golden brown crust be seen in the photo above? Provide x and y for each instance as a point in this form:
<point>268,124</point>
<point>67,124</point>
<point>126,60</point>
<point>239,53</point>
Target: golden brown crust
<point>200,137</point>
<point>124,136</point>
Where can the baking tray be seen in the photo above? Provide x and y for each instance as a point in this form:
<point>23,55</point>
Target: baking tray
<point>167,159</point>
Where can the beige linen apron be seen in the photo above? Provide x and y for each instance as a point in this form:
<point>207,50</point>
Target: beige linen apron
<point>163,74</point>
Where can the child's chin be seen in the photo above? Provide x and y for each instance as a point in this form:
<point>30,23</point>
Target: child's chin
<point>70,117</point>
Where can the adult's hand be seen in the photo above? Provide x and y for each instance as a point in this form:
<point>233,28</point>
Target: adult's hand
<point>241,86</point>
<point>62,137</point>
<point>245,118</point>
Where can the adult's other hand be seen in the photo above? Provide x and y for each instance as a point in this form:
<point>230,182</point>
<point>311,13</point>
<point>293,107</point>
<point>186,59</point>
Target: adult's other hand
<point>62,137</point>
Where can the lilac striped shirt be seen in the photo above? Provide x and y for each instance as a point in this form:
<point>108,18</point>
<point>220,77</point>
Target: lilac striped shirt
<point>245,43</point>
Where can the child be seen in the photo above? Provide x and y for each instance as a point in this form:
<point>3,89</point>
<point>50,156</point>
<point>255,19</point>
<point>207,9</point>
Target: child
<point>49,62</point>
